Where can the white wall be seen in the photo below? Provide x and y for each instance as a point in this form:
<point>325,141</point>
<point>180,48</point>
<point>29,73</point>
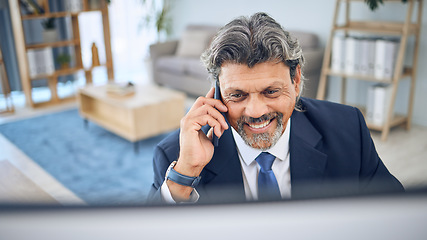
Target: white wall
<point>314,16</point>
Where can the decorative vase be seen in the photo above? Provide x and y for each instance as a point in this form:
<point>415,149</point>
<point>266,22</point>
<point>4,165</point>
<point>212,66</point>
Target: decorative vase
<point>95,55</point>
<point>50,35</point>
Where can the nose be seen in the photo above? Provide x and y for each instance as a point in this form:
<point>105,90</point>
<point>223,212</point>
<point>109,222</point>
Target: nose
<point>256,107</point>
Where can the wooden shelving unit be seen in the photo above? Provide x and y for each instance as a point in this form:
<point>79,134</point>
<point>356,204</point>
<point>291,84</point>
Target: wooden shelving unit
<point>401,29</point>
<point>5,87</point>
<point>52,79</point>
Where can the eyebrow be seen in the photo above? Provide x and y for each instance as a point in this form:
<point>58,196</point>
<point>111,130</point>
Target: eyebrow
<point>273,85</point>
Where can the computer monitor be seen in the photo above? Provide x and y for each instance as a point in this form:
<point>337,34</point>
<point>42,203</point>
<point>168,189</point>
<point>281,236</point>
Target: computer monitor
<point>401,216</point>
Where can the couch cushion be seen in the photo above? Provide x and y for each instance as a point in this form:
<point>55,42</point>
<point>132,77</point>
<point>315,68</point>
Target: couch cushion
<point>197,69</point>
<point>192,44</point>
<point>172,64</point>
<point>195,40</point>
<point>182,65</point>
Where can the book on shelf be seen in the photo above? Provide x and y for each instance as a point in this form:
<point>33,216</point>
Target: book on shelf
<point>338,56</point>
<point>391,56</point>
<point>378,101</point>
<point>26,8</point>
<point>385,58</point>
<point>73,5</point>
<point>367,56</point>
<point>49,64</point>
<point>36,6</point>
<point>31,7</point>
<point>351,55</point>
<point>31,58</point>
<point>380,53</point>
<point>40,62</point>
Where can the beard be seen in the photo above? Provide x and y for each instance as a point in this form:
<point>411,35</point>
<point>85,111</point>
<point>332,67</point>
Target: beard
<point>262,141</point>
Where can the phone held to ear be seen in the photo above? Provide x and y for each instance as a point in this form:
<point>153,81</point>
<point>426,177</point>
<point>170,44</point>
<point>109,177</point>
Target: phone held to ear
<point>217,95</point>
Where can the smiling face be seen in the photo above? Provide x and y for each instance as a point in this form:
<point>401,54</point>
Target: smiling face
<point>260,100</point>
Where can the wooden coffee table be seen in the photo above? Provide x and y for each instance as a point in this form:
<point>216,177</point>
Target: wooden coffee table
<point>150,111</point>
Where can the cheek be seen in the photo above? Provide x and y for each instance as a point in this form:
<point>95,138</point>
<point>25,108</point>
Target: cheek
<point>286,106</point>
<point>234,113</point>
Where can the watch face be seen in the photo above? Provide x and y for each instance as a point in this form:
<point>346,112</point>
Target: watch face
<point>169,169</point>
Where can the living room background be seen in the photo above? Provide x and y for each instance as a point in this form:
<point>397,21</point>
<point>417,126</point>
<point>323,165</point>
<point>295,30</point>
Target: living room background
<point>313,16</point>
<point>130,42</point>
<point>98,165</point>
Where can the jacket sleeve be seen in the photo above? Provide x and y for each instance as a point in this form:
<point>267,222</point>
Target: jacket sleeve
<point>374,176</point>
<point>160,165</point>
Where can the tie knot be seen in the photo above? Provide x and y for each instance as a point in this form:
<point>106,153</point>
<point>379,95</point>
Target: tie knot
<point>265,161</point>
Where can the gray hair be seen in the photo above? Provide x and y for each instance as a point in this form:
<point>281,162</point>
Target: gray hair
<point>253,40</point>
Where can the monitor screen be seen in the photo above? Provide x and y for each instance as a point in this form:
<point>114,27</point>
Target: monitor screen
<point>401,216</point>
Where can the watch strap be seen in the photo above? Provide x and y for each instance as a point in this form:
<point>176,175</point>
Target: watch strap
<point>182,179</point>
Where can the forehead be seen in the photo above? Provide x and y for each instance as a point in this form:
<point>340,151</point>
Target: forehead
<point>262,75</point>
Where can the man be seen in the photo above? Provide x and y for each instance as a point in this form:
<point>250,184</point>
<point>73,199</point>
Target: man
<point>314,147</point>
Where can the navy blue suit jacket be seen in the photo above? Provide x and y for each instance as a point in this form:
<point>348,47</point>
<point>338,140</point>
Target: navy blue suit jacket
<point>331,153</point>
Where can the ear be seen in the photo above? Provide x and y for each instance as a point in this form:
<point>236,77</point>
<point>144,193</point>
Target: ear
<point>297,79</point>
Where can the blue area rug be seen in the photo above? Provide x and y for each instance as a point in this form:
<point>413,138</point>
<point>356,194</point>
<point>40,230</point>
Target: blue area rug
<point>97,165</point>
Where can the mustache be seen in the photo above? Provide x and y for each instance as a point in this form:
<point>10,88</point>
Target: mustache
<point>265,117</point>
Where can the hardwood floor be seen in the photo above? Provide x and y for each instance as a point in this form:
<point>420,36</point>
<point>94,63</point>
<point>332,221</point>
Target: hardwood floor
<point>34,182</point>
<point>404,154</point>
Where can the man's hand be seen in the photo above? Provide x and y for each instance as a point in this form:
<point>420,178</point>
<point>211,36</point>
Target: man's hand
<point>196,148</point>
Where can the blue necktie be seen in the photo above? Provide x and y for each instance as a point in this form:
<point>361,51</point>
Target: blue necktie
<point>268,189</point>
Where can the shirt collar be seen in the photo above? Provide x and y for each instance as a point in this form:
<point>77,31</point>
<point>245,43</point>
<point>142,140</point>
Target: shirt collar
<point>279,150</point>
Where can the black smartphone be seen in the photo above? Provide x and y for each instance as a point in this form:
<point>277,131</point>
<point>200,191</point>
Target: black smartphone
<point>217,95</point>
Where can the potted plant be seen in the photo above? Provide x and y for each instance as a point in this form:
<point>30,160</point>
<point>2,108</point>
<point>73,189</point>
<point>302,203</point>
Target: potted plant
<point>49,33</point>
<point>158,18</point>
<point>373,4</point>
<point>64,60</point>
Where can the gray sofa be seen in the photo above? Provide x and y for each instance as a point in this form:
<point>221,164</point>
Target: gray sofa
<point>177,63</point>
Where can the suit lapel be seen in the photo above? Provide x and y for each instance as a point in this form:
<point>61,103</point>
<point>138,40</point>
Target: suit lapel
<point>224,170</point>
<point>307,161</point>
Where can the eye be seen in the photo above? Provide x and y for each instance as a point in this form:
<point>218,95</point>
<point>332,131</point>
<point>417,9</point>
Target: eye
<point>271,93</point>
<point>236,97</point>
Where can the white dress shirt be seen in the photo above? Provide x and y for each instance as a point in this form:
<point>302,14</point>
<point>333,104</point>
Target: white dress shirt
<point>250,168</point>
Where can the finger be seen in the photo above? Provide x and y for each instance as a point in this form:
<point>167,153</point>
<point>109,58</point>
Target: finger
<point>217,131</point>
<point>211,93</point>
<point>213,131</point>
<point>209,120</point>
<point>218,104</point>
<point>209,110</point>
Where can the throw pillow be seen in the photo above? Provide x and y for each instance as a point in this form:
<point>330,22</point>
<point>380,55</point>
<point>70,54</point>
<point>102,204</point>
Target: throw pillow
<point>193,43</point>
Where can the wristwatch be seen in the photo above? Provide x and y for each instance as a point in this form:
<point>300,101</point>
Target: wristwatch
<point>179,178</point>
